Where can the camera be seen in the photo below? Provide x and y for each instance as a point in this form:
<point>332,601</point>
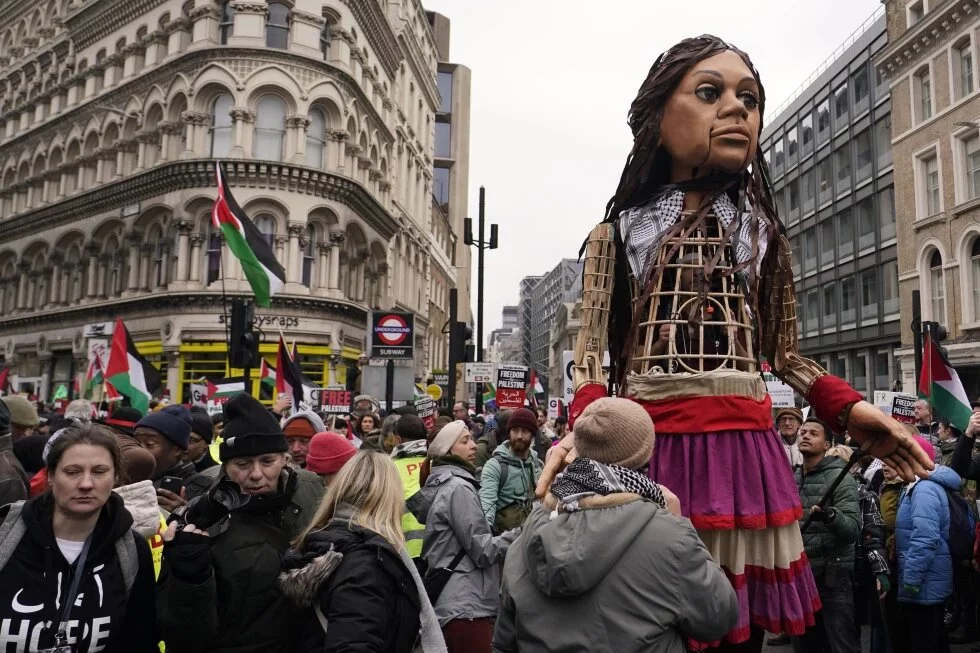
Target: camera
<point>211,507</point>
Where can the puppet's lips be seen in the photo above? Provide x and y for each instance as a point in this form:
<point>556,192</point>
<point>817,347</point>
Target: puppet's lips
<point>732,133</point>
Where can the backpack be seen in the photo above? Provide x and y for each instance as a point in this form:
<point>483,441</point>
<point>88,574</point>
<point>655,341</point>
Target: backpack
<point>13,528</point>
<point>962,525</point>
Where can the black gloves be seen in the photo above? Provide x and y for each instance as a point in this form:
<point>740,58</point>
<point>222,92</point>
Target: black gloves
<point>188,556</point>
<point>827,515</point>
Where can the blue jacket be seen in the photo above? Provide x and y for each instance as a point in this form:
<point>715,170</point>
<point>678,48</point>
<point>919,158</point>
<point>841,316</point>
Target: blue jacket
<point>925,567</point>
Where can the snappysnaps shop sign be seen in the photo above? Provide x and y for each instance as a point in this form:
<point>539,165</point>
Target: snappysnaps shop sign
<point>392,335</point>
<point>511,386</point>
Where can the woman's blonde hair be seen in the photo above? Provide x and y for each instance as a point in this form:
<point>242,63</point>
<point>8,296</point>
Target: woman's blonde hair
<point>368,483</point>
<point>841,451</point>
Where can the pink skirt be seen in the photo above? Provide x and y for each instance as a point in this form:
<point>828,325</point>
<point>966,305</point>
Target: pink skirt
<point>738,490</point>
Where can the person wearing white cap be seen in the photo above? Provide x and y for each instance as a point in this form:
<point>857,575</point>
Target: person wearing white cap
<point>458,538</point>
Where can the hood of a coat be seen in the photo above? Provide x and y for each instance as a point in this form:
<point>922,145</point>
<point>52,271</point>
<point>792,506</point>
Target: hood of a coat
<point>114,522</point>
<point>140,499</point>
<point>506,456</point>
<point>307,570</point>
<point>946,477</point>
<point>569,553</point>
<point>419,503</point>
<point>410,449</point>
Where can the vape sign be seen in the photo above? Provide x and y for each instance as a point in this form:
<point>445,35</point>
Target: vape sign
<point>392,335</point>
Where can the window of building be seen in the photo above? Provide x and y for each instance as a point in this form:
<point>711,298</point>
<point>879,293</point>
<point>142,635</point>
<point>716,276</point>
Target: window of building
<point>440,186</point>
<point>778,157</point>
<point>929,199</point>
<point>915,11</point>
<point>793,195</point>
<point>825,180</point>
<point>862,155</point>
<point>842,161</point>
<point>889,288</point>
<point>792,146</point>
<point>309,256</point>
<point>226,24</point>
<point>266,224</point>
<point>937,287</point>
<point>443,139</point>
<point>221,126</point>
<point>972,149</point>
<point>962,68</point>
<point>841,114</point>
<point>325,39</point>
<point>845,234</point>
<point>922,94</point>
<point>796,255</point>
<point>809,190</point>
<point>800,321</point>
<point>883,142</point>
<point>213,255</point>
<point>812,312</point>
<point>809,251</point>
<point>445,83</point>
<point>861,373</point>
<point>869,295</point>
<point>867,225</point>
<point>828,240</point>
<point>270,128</point>
<point>861,86</point>
<point>829,293</point>
<point>848,301</point>
<point>838,365</point>
<point>882,371</point>
<point>823,121</point>
<point>316,138</point>
<point>806,133</point>
<point>277,26</point>
<point>975,276</point>
<point>886,214</point>
<point>881,85</point>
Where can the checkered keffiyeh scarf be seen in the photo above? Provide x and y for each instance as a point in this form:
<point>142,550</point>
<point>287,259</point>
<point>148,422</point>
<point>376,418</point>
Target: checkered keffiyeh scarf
<point>643,226</point>
<point>586,478</point>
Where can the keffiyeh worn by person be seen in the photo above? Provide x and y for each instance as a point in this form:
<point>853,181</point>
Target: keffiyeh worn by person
<point>585,477</point>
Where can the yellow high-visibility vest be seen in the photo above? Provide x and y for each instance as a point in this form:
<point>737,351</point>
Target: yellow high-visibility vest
<point>408,470</point>
<point>215,450</point>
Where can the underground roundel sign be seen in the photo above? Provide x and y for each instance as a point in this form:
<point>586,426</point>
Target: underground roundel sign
<point>392,335</point>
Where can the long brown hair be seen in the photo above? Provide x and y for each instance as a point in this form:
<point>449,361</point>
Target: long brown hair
<point>646,176</point>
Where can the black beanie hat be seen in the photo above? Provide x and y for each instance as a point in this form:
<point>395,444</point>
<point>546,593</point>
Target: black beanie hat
<point>172,422</point>
<point>250,429</point>
<point>201,423</point>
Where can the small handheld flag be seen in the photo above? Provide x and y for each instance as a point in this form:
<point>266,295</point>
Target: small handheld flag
<point>129,373</point>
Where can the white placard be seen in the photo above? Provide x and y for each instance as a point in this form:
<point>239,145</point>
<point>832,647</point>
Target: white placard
<point>479,373</point>
<point>567,359</point>
<point>199,395</point>
<point>553,407</point>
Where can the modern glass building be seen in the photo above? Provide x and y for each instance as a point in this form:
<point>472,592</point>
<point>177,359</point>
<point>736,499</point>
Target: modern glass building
<point>830,157</point>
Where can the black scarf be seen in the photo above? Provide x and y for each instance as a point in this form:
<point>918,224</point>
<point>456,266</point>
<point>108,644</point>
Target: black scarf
<point>586,477</point>
<point>456,461</point>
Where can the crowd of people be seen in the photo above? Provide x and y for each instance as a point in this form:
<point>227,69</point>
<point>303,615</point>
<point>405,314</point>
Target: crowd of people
<point>253,530</point>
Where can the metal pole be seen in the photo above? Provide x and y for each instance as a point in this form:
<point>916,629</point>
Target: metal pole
<point>389,385</point>
<point>479,297</point>
<point>917,330</point>
<point>454,345</point>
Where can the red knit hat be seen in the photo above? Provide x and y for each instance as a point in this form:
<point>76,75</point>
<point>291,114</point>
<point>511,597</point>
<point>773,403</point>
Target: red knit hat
<point>328,453</point>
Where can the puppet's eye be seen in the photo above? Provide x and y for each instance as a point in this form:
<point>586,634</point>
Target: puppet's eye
<point>707,92</point>
<point>749,99</point>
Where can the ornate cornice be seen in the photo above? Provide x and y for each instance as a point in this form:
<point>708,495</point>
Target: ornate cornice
<point>308,18</point>
<point>97,20</point>
<point>199,173</point>
<point>935,29</point>
<point>374,23</point>
<point>246,7</point>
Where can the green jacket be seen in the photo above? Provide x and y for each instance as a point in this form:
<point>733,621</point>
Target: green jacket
<point>825,542</point>
<point>240,608</point>
<point>518,487</point>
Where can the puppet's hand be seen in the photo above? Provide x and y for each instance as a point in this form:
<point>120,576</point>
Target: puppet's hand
<point>560,456</point>
<point>889,441</point>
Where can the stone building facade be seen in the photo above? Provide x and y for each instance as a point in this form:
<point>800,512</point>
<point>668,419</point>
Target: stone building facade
<point>112,115</point>
<point>930,64</point>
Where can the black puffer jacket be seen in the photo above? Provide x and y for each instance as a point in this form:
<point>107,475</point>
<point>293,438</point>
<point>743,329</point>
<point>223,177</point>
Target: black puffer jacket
<point>366,594</point>
<point>104,617</point>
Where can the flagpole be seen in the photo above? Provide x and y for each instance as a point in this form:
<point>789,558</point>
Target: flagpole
<point>224,296</point>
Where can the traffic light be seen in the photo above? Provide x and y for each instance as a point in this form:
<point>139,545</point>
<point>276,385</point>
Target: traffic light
<point>244,344</point>
<point>462,332</point>
<point>939,333</point>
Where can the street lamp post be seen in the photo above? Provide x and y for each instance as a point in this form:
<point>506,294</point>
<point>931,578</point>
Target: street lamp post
<point>481,245</point>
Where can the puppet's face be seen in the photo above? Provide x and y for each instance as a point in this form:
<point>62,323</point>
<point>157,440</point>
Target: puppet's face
<point>711,121</point>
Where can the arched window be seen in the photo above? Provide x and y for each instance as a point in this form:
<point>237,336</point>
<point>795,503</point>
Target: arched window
<point>226,26</point>
<point>277,26</point>
<point>270,128</point>
<point>975,276</point>
<point>325,39</point>
<point>316,137</point>
<point>937,291</point>
<point>213,254</point>
<point>308,256</point>
<point>267,226</point>
<point>221,126</point>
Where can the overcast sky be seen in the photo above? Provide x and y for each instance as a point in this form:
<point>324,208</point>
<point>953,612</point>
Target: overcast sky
<point>552,82</point>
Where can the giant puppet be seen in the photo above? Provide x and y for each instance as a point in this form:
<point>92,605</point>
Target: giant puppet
<point>689,283</point>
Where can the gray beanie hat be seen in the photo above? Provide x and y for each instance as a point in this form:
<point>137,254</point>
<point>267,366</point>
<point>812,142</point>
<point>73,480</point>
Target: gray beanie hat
<point>615,431</point>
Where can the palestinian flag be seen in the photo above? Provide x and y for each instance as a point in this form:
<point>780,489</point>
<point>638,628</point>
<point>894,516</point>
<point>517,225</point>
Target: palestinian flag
<point>248,244</point>
<point>130,374</point>
<point>289,379</point>
<point>267,374</point>
<point>111,394</point>
<point>225,388</point>
<point>93,377</point>
<point>941,387</point>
